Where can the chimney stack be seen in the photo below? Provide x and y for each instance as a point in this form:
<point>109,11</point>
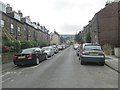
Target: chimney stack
<point>8,9</point>
<point>20,13</point>
<point>108,2</point>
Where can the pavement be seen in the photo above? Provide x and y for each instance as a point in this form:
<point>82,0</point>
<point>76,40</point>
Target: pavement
<point>112,62</point>
<point>7,66</point>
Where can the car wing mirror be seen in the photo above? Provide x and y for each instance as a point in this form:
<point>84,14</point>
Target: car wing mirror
<point>43,50</point>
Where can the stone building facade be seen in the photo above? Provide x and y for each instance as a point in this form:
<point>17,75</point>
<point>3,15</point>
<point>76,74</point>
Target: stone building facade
<point>55,38</point>
<point>104,25</point>
<point>119,24</point>
<point>21,28</point>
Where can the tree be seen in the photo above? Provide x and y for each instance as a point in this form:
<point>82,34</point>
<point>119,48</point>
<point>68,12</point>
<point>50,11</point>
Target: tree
<point>88,38</point>
<point>77,38</point>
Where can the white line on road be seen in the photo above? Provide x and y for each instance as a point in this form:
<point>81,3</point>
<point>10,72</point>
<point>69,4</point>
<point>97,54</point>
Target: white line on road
<point>12,80</point>
<point>5,74</point>
<point>6,80</point>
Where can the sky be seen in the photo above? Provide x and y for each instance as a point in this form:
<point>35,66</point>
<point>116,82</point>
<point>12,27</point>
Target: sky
<point>63,16</point>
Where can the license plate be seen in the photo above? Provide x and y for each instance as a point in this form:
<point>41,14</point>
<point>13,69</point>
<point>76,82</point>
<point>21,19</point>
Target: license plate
<point>21,57</point>
<point>93,53</point>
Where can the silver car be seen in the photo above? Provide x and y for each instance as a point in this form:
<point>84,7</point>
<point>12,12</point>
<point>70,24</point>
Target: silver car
<point>56,50</point>
<point>49,50</point>
<point>75,46</point>
<point>92,52</point>
<point>60,47</point>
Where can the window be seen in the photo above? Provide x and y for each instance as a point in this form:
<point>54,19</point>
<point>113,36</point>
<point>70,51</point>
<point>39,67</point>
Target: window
<point>92,48</point>
<point>12,28</point>
<point>29,34</point>
<point>19,31</point>
<point>2,23</point>
<point>25,32</point>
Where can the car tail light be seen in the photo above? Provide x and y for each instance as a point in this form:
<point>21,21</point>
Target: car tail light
<point>103,53</point>
<point>83,51</point>
<point>14,57</point>
<point>29,56</point>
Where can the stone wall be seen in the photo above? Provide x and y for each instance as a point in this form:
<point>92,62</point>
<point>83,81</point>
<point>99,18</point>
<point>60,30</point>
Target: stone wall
<point>117,52</point>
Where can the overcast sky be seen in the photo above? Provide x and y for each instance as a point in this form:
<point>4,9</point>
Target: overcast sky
<point>65,16</point>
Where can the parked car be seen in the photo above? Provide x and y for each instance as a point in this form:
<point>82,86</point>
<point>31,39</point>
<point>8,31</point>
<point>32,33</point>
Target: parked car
<point>56,50</point>
<point>49,50</point>
<point>29,56</point>
<point>64,46</point>
<point>75,46</point>
<point>60,47</point>
<point>78,49</point>
<point>92,52</point>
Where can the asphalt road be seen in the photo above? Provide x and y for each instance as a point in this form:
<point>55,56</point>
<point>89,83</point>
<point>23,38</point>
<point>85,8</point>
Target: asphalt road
<point>63,70</point>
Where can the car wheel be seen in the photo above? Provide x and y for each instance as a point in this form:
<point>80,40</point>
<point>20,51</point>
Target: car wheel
<point>82,63</point>
<point>37,61</point>
<point>19,65</point>
<point>101,63</point>
<point>46,57</point>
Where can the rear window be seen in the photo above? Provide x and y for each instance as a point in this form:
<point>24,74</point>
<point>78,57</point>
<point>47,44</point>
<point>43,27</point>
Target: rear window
<point>93,48</point>
<point>27,51</point>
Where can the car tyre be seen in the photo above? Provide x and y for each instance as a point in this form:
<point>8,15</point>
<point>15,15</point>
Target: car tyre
<point>82,63</point>
<point>19,65</point>
<point>37,61</point>
<point>46,57</point>
<point>101,63</point>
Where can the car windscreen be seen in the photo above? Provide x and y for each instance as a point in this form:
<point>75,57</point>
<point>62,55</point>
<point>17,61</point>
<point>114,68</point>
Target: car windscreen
<point>93,48</point>
<point>59,45</point>
<point>76,45</point>
<point>25,51</point>
<point>46,49</point>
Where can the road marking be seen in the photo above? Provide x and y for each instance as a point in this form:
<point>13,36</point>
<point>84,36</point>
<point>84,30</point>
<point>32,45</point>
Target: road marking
<point>31,67</point>
<point>12,80</point>
<point>5,74</point>
<point>6,80</point>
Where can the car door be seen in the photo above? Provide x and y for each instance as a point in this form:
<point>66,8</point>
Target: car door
<point>43,55</point>
<point>38,53</point>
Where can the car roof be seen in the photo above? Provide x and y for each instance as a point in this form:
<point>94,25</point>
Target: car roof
<point>31,48</point>
<point>91,44</point>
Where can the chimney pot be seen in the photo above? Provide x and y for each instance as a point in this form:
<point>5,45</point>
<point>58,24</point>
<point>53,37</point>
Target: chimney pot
<point>20,13</point>
<point>8,9</point>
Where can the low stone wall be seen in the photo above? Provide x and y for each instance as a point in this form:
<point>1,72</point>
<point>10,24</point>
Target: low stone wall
<point>117,52</point>
<point>7,57</point>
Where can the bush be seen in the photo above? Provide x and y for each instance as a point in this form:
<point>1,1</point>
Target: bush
<point>17,46</point>
<point>88,38</point>
<point>107,49</point>
<point>25,44</point>
<point>28,44</point>
<point>33,43</point>
<point>42,44</point>
<point>7,43</point>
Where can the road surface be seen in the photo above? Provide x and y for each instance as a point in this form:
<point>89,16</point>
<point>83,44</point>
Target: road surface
<point>63,70</point>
